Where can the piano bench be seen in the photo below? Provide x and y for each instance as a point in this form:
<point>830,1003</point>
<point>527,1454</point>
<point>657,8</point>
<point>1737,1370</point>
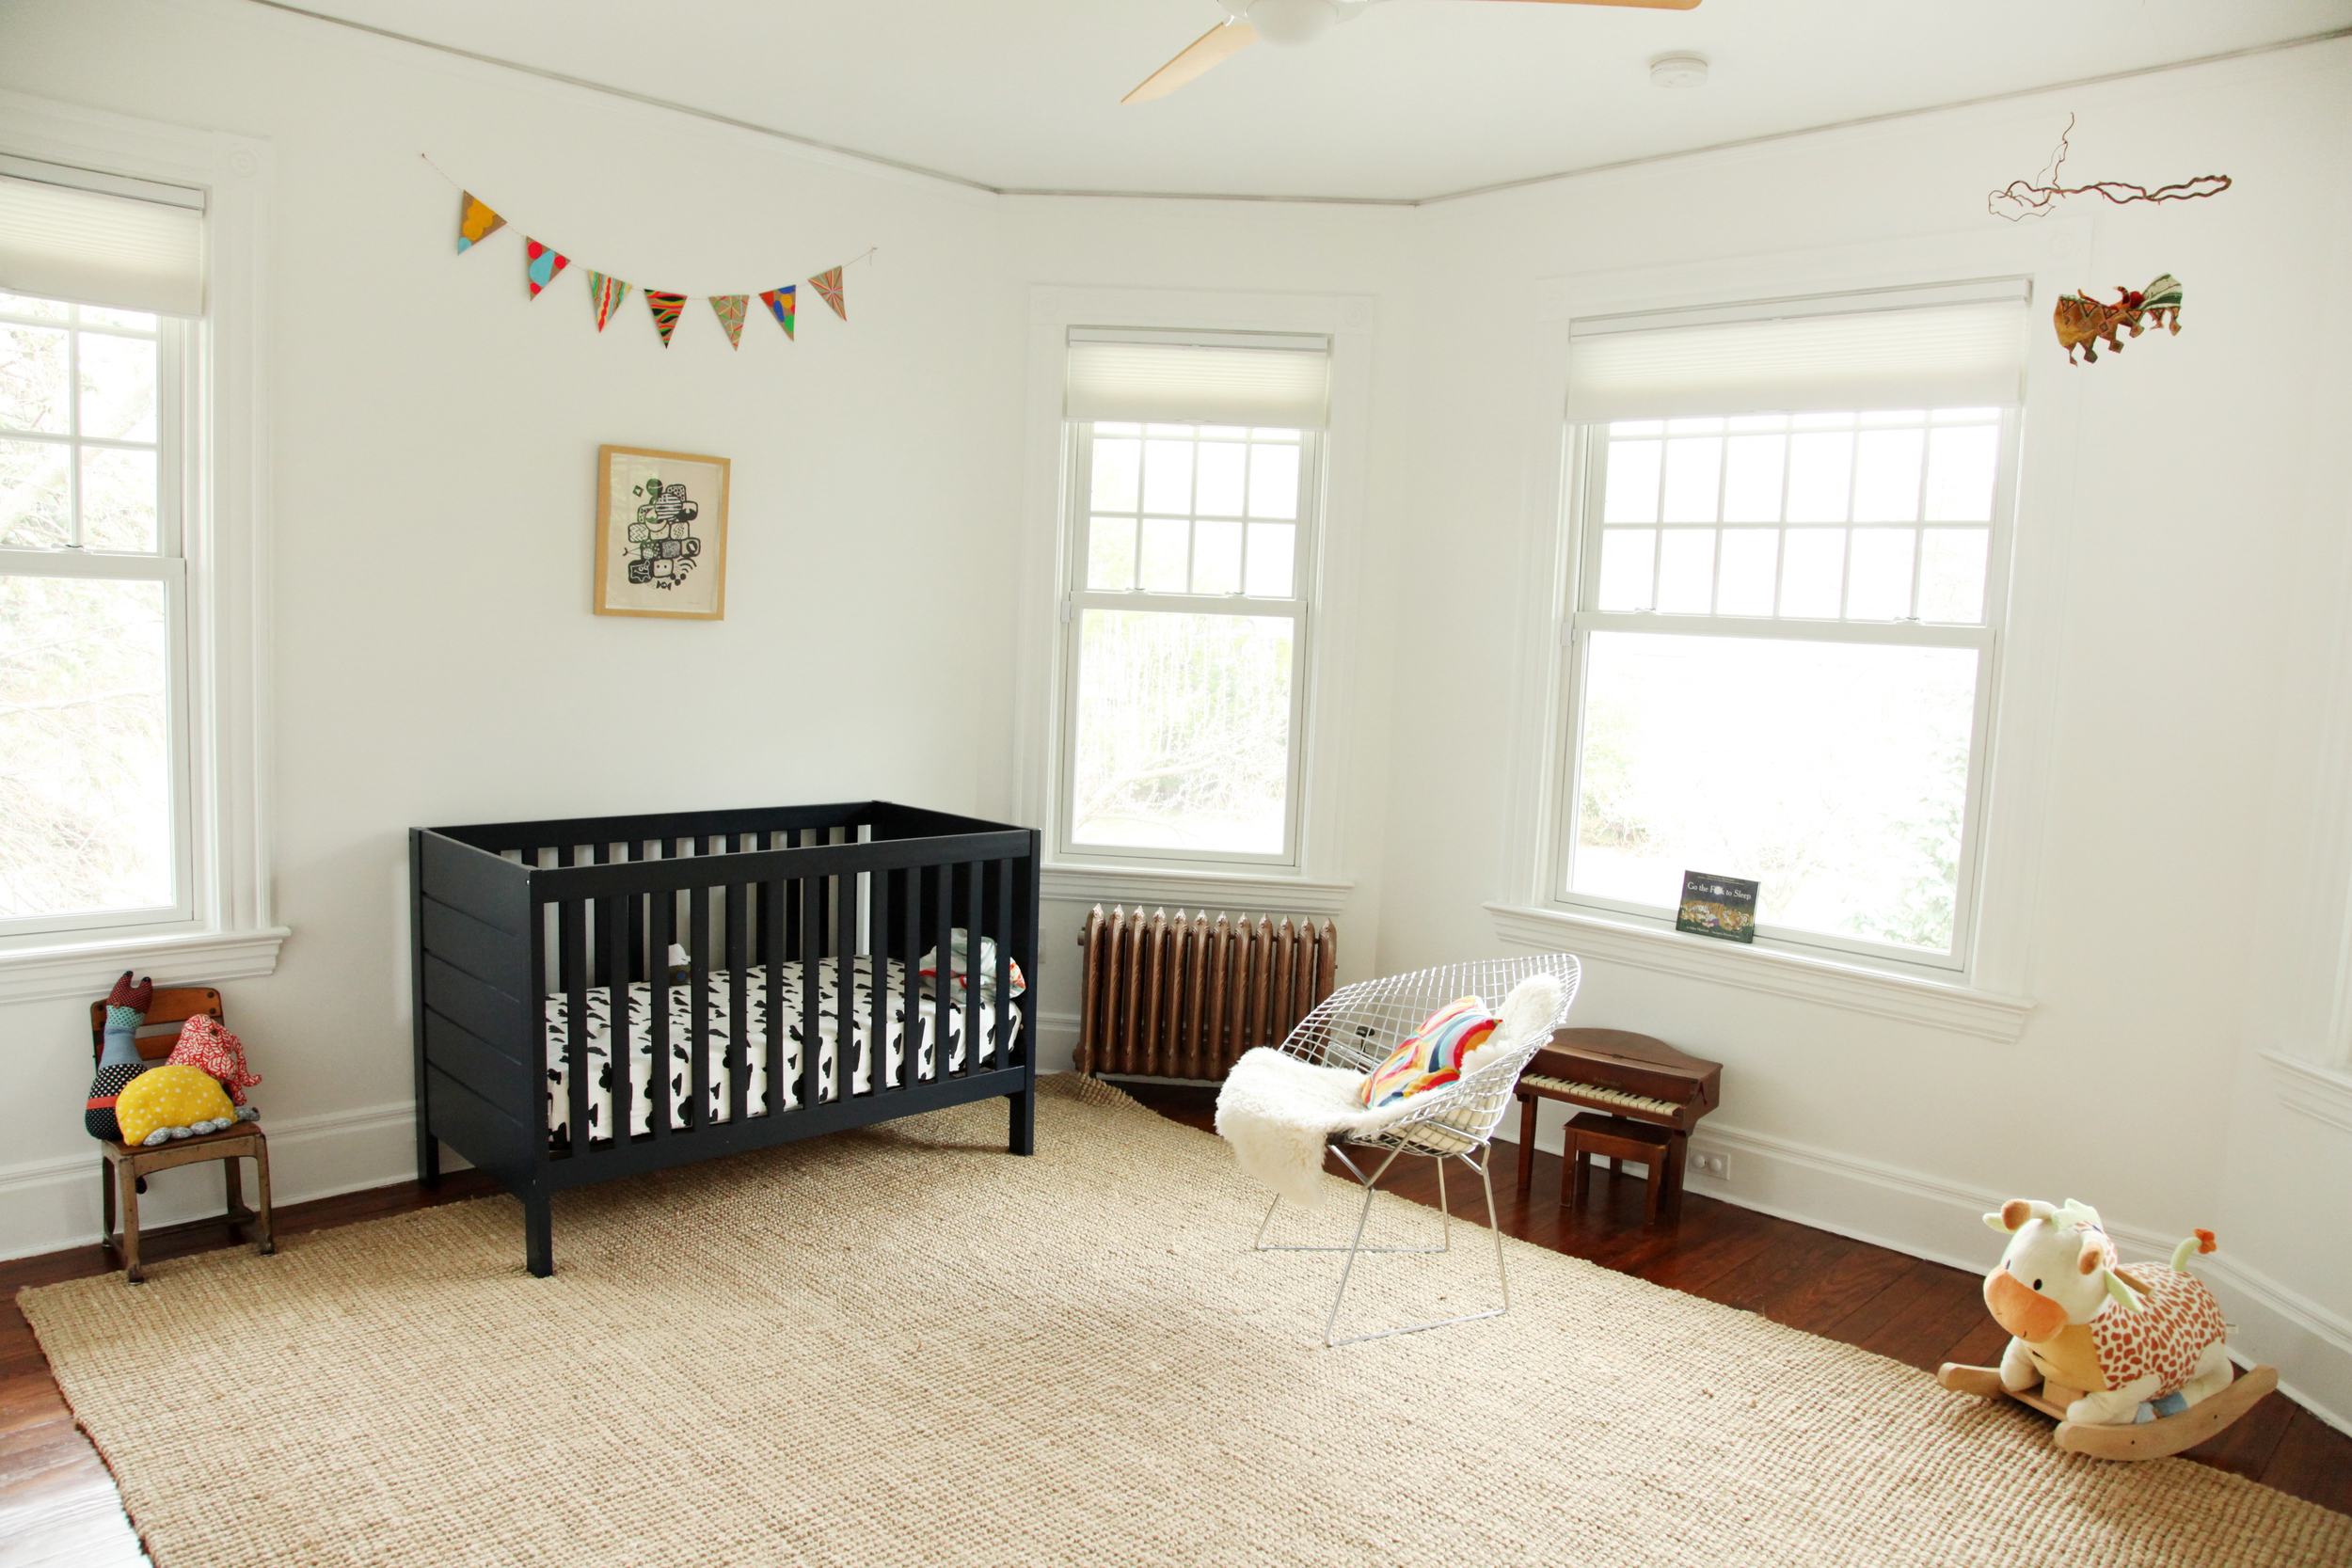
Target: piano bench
<point>1614,1138</point>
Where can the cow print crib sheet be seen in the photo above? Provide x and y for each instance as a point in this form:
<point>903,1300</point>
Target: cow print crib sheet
<point>681,1063</point>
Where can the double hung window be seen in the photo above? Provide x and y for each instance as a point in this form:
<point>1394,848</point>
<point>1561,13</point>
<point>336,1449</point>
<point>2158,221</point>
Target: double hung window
<point>1784,620</point>
<point>1189,567</point>
<point>94,733</point>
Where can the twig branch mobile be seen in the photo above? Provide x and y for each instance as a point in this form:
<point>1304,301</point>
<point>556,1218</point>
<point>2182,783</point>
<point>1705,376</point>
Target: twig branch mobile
<point>2023,198</point>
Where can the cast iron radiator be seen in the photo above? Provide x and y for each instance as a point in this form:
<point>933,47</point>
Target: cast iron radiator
<point>1183,995</point>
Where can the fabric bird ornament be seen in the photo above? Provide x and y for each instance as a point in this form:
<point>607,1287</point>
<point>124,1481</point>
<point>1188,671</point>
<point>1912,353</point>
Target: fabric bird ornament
<point>205,1044</point>
<point>126,1010</point>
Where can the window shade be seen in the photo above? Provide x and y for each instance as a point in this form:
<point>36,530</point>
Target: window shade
<point>98,239</point>
<point>1235,378</point>
<point>1860,352</point>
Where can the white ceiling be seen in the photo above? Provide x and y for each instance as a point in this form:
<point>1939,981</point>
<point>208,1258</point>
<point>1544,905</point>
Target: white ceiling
<point>1413,99</point>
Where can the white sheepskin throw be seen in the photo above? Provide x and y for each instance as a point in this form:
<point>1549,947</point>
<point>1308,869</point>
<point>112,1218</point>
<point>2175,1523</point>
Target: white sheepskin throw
<point>1277,1111</point>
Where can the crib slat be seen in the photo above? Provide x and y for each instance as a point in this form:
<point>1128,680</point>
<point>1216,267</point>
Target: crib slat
<point>943,997</point>
<point>772,961</point>
<point>878,998</point>
<point>845,987</point>
<point>1002,871</point>
<point>613,926</point>
<point>662,927</point>
<point>698,1002</point>
<point>974,888</point>
<point>572,928</point>
<point>911,983</point>
<point>1025,953</point>
<point>812,950</point>
<point>637,956</point>
<point>739,1041</point>
<point>562,955</point>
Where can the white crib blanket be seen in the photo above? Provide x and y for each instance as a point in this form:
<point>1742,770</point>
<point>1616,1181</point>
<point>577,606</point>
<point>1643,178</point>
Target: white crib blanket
<point>681,1064</point>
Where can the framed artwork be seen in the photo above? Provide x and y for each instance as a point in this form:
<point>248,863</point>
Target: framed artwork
<point>662,535</point>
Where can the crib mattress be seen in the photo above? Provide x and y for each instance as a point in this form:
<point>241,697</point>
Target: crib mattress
<point>678,1072</point>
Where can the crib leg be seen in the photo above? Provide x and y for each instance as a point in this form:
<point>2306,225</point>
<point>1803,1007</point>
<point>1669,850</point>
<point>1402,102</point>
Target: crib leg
<point>1023,1138</point>
<point>538,1235</point>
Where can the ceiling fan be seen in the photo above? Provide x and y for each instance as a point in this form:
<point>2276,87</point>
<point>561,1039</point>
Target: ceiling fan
<point>1294,21</point>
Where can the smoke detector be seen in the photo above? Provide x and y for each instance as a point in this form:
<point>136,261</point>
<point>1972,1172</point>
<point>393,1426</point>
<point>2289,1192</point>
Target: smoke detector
<point>1679,71</point>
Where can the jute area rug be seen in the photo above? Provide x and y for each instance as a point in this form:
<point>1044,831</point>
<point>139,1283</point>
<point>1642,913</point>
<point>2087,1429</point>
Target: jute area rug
<point>903,1346</point>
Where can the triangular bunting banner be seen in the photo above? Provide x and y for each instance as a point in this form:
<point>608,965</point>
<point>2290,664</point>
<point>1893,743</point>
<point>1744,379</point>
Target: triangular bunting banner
<point>665,309</point>
<point>541,264</point>
<point>476,221</point>
<point>730,309</point>
<point>606,293</point>
<point>828,283</point>
<point>782,304</point>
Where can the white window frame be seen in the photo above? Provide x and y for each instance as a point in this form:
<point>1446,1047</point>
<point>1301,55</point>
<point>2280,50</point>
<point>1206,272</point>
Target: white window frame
<point>1298,610</point>
<point>1987,997</point>
<point>166,565</point>
<point>216,514</point>
<point>1314,880</point>
<point>1590,477</point>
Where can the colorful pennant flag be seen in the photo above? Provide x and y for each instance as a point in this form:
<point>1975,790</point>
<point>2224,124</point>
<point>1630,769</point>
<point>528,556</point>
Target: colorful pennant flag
<point>730,309</point>
<point>606,293</point>
<point>782,304</point>
<point>476,221</point>
<point>540,265</point>
<point>665,308</point>
<point>828,283</point>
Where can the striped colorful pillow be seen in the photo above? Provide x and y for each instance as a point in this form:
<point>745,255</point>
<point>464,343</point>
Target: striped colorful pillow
<point>1433,1055</point>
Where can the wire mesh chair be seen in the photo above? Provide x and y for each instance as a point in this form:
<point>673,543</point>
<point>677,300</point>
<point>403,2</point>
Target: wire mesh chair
<point>1355,1028</point>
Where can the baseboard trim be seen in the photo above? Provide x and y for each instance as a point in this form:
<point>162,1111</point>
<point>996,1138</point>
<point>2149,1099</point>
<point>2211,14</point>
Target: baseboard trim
<point>49,1205</point>
<point>1942,1221</point>
<point>1057,1042</point>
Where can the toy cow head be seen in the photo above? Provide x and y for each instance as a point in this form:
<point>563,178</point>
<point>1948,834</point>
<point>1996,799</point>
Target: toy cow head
<point>2057,1269</point>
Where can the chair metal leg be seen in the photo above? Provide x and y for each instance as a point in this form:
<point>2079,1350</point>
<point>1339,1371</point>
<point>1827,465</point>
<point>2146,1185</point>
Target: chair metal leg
<point>1347,1270</point>
<point>1503,1272</point>
<point>1485,1180</point>
<point>1261,1245</point>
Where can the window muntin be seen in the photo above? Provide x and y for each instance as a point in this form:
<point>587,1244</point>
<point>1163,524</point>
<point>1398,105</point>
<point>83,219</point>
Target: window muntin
<point>1785,674</point>
<point>93,793</point>
<point>1875,517</point>
<point>1185,635</point>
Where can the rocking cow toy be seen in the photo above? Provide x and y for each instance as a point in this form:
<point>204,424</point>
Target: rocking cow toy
<point>2128,1357</point>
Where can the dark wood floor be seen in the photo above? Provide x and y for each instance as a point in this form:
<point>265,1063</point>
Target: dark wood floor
<point>58,1505</point>
<point>1914,1311</point>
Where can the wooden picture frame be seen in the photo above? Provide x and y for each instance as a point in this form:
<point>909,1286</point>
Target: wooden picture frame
<point>663,554</point>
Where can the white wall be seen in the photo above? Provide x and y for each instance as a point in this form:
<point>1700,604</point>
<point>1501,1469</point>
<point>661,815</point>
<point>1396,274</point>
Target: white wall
<point>436,662</point>
<point>435,435</point>
<point>2199,595</point>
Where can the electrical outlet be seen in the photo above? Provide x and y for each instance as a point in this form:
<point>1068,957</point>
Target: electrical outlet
<point>1716,1166</point>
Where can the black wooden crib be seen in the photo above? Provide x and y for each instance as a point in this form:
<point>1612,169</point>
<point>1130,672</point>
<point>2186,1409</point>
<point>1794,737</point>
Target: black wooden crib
<point>545,957</point>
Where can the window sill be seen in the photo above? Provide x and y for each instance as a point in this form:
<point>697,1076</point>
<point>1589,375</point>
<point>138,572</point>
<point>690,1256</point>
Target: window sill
<point>1962,1010</point>
<point>1087,884</point>
<point>86,969</point>
<point>2324,1094</point>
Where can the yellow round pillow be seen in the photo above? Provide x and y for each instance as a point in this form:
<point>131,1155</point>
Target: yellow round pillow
<point>170,1096</point>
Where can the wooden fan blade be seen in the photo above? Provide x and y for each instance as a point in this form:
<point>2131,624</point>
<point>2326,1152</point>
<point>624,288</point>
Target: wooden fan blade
<point>1220,43</point>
